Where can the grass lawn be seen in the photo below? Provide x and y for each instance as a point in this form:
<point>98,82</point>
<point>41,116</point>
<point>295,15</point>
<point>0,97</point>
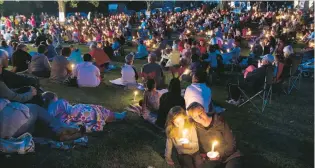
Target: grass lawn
<point>282,136</point>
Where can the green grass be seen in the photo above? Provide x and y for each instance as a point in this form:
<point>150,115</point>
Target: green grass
<point>281,137</point>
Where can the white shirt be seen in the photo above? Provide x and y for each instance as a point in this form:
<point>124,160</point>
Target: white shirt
<point>7,37</point>
<point>128,75</point>
<point>198,92</point>
<point>88,75</point>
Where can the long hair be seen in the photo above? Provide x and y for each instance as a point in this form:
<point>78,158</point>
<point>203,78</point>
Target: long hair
<point>174,86</point>
<point>171,130</point>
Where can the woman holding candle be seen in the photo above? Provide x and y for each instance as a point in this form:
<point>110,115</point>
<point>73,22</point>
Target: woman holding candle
<point>215,135</point>
<point>181,134</point>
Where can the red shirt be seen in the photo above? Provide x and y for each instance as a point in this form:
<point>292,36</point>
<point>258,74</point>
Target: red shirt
<point>100,56</point>
<point>203,49</point>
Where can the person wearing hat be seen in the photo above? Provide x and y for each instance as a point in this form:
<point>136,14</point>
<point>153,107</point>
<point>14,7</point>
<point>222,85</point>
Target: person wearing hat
<point>142,50</point>
<point>253,80</point>
<point>21,58</point>
<point>129,75</point>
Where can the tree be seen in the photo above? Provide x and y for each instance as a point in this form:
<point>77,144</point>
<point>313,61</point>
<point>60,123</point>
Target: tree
<point>149,4</point>
<point>73,4</point>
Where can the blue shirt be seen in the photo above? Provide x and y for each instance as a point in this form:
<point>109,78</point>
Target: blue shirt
<point>115,45</point>
<point>75,57</point>
<point>142,50</point>
<point>51,52</point>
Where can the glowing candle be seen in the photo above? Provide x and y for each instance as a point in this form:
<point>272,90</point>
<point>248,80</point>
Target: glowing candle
<point>72,66</point>
<point>184,139</point>
<point>213,154</point>
<point>135,93</point>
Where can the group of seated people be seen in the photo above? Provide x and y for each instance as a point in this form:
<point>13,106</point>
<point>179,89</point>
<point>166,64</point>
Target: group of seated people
<point>67,68</point>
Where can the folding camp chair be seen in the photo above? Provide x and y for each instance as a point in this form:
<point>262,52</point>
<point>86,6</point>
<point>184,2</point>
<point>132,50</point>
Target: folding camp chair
<point>295,74</point>
<point>265,93</point>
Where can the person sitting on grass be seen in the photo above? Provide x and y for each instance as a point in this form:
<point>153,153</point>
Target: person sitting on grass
<point>142,51</point>
<point>40,65</point>
<point>116,44</point>
<point>173,57</point>
<point>151,101</point>
<point>198,91</point>
<point>61,67</point>
<point>149,105</point>
<point>75,57</point>
<point>101,59</point>
<point>168,100</point>
<point>152,70</point>
<point>108,50</point>
<point>87,74</point>
<point>9,94</point>
<point>93,117</point>
<point>214,128</point>
<point>51,51</point>
<point>21,59</point>
<point>7,48</point>
<point>129,75</point>
<point>181,134</point>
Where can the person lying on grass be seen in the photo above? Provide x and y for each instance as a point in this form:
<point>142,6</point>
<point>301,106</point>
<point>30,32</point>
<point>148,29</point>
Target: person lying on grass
<point>181,134</point>
<point>17,119</point>
<point>214,128</point>
<point>93,117</point>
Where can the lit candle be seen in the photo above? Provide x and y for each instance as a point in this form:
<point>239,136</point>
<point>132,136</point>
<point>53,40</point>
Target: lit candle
<point>184,139</point>
<point>213,154</point>
<point>135,93</point>
<point>72,66</point>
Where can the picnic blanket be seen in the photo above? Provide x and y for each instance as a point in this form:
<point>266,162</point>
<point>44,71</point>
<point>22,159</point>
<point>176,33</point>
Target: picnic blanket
<point>91,116</point>
<point>119,82</point>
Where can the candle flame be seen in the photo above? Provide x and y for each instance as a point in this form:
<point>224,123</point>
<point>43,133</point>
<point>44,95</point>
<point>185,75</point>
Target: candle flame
<point>135,93</point>
<point>72,66</point>
<point>185,131</point>
<point>215,143</point>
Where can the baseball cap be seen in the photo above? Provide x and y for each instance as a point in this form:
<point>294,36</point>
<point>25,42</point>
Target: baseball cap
<point>270,58</point>
<point>129,57</point>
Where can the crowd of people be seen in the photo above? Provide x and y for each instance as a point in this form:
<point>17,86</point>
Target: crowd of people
<point>209,42</point>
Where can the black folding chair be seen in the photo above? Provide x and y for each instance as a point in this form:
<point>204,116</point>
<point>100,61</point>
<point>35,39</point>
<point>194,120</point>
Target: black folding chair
<point>265,93</point>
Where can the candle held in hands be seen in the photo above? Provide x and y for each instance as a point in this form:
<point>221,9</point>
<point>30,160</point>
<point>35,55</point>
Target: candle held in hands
<point>213,154</point>
<point>135,93</point>
<point>184,139</point>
